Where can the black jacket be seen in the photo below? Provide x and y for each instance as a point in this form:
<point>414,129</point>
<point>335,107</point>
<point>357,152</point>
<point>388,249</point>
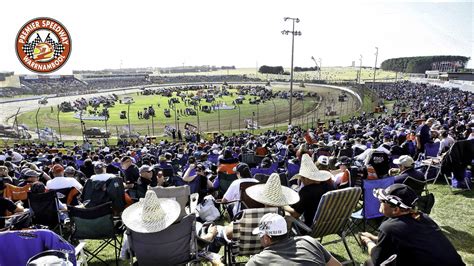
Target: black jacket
<point>100,192</point>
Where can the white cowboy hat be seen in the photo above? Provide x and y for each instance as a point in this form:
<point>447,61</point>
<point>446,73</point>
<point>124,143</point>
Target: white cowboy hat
<point>309,170</point>
<point>273,193</point>
<point>151,214</point>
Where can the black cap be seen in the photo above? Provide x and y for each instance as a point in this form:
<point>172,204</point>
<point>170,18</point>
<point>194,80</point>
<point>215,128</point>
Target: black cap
<point>241,167</point>
<point>343,160</point>
<point>399,195</point>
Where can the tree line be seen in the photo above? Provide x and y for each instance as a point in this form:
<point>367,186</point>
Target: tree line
<point>419,64</point>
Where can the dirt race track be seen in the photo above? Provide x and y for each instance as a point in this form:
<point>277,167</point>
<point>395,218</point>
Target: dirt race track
<point>329,98</point>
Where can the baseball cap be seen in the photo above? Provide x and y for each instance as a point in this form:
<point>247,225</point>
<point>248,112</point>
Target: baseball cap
<point>69,170</point>
<point>241,167</point>
<point>31,173</point>
<point>99,165</point>
<point>271,224</point>
<point>399,195</point>
<point>108,158</point>
<point>323,159</point>
<point>57,168</point>
<point>343,160</point>
<point>145,168</point>
<point>404,160</point>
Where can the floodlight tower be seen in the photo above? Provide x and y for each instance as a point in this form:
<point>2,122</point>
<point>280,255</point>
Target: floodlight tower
<point>293,34</point>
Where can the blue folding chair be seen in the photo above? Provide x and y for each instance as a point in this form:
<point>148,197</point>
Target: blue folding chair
<point>213,158</point>
<point>431,151</point>
<point>266,171</point>
<point>371,205</point>
<point>293,169</point>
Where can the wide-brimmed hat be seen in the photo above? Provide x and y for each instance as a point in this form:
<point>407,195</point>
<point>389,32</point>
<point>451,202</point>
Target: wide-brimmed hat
<point>273,193</point>
<point>309,170</point>
<point>151,214</point>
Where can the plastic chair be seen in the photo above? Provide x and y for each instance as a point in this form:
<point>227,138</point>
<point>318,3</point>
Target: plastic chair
<point>175,245</point>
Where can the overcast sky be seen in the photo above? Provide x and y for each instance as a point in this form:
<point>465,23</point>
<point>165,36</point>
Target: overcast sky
<point>242,33</point>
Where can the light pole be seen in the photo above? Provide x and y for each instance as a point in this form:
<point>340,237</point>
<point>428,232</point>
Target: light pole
<point>293,33</point>
<point>258,115</point>
<point>196,107</point>
<point>274,115</point>
<point>219,116</point>
<point>375,66</point>
<point>59,126</point>
<point>128,116</point>
<point>37,125</point>
<point>238,107</point>
<point>320,67</point>
<point>319,70</point>
<point>360,69</point>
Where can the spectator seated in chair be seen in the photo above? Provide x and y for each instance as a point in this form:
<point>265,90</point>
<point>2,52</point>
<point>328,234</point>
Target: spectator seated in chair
<point>280,249</point>
<point>60,182</point>
<point>10,206</point>
<point>406,169</point>
<point>233,192</point>
<point>412,235</point>
<point>342,178</point>
<point>314,184</point>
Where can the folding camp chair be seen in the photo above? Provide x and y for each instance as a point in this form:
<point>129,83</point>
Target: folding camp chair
<point>266,171</point>
<point>45,209</point>
<point>69,196</point>
<point>15,193</point>
<point>224,182</point>
<point>175,245</point>
<point>371,205</point>
<point>425,198</point>
<point>180,193</point>
<point>243,242</point>
<point>246,201</point>
<point>381,163</point>
<point>431,151</point>
<point>213,158</point>
<point>332,215</point>
<point>249,158</point>
<point>95,223</point>
<point>262,178</point>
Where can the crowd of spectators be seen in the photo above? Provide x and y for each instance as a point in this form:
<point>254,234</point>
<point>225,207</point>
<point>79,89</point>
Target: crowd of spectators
<point>330,156</point>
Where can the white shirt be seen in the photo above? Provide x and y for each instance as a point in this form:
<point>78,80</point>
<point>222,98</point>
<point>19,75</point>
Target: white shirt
<point>16,157</point>
<point>60,182</point>
<point>233,192</point>
<point>102,177</point>
<point>446,143</point>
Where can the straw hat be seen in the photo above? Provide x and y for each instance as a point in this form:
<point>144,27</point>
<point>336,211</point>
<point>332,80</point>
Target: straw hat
<point>151,214</point>
<point>273,193</point>
<point>309,170</point>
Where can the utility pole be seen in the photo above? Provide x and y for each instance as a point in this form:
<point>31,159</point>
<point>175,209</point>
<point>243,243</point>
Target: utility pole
<point>293,33</point>
<point>360,69</point>
<point>375,66</point>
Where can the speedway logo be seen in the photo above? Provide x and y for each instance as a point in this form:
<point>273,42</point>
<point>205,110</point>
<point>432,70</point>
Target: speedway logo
<point>43,45</point>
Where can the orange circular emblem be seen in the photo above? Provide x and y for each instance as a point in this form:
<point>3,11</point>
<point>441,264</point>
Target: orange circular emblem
<point>43,45</point>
